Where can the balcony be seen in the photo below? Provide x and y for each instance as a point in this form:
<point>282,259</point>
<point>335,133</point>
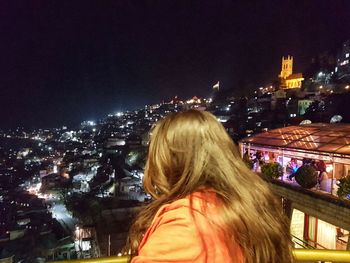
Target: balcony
<point>301,255</point>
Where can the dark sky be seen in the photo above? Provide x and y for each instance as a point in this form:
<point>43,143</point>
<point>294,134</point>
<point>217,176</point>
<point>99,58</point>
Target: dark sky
<point>63,62</point>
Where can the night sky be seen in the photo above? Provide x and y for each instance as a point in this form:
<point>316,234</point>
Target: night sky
<point>63,62</point>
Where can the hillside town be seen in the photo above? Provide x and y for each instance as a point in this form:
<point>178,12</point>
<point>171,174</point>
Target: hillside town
<point>60,187</point>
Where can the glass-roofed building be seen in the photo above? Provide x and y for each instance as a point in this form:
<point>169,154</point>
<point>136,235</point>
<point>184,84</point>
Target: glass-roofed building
<point>318,217</point>
<point>327,142</point>
<point>319,139</point>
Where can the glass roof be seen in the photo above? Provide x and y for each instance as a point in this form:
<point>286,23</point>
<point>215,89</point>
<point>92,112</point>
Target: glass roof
<point>331,138</point>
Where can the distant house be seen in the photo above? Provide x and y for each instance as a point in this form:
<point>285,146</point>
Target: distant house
<point>52,248</point>
<point>134,141</point>
<point>342,69</point>
<point>52,180</point>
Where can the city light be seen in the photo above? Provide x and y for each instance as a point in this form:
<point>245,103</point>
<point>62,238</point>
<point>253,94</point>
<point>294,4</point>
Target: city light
<point>71,175</point>
<point>91,123</point>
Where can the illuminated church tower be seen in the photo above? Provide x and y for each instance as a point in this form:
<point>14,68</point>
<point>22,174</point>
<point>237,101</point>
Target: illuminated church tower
<point>287,67</point>
<point>287,78</point>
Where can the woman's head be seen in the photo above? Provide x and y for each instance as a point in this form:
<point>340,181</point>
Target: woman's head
<point>184,154</point>
<point>190,151</point>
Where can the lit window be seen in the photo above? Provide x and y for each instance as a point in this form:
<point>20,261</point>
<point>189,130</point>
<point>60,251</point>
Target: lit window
<point>347,55</point>
<point>345,62</point>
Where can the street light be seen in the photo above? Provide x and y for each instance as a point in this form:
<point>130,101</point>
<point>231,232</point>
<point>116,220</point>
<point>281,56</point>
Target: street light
<point>347,87</point>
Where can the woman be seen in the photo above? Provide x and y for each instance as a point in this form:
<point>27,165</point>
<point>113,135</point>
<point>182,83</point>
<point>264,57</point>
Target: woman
<point>208,206</point>
<point>323,182</point>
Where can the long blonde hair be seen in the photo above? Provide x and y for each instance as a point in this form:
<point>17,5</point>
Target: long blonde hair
<point>191,150</point>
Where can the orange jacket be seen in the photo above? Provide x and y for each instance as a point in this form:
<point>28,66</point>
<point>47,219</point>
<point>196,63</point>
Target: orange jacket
<point>180,232</point>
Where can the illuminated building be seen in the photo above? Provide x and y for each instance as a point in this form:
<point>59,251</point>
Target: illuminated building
<point>294,81</point>
<point>319,218</point>
<point>303,105</point>
<point>288,79</point>
<point>287,67</point>
<point>343,63</point>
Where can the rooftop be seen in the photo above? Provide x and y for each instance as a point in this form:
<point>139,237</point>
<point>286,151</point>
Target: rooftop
<point>295,76</point>
<point>329,138</point>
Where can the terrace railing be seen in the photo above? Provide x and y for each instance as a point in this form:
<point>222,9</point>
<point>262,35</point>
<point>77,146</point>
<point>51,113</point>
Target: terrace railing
<point>301,255</point>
